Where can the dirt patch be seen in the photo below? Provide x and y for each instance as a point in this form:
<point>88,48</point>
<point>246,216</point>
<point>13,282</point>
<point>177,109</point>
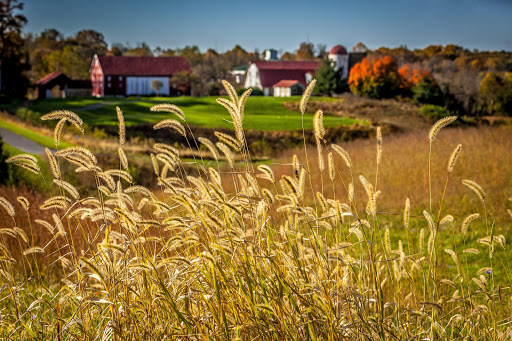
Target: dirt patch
<point>386,112</point>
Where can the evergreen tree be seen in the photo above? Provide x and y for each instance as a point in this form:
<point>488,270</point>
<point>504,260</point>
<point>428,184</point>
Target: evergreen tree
<point>328,79</point>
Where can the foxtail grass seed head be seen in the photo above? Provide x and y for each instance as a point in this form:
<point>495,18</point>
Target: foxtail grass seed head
<point>407,212</point>
<point>122,129</point>
<point>211,147</point>
<point>430,221</point>
<point>57,132</point>
<point>305,96</point>
<point>387,242</point>
<point>231,92</point>
<point>318,125</point>
<point>421,242</point>
<point>173,124</point>
<point>166,107</point>
<point>7,206</point>
<point>24,202</point>
<point>479,191</point>
<point>54,167</point>
<point>296,166</point>
<point>154,161</point>
<point>122,158</point>
<point>319,149</point>
<point>379,145</point>
<point>453,158</point>
<point>332,167</point>
<point>343,154</point>
<point>65,114</point>
<point>467,221</point>
<point>440,125</point>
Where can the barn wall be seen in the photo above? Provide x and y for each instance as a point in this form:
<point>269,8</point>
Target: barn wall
<point>142,86</point>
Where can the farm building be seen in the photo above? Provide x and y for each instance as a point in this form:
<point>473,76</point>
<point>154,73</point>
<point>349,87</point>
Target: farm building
<point>265,74</point>
<point>287,88</point>
<point>127,76</point>
<point>58,85</point>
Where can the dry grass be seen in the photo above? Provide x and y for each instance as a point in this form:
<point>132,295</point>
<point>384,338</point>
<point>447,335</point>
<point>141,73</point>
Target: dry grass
<point>239,252</point>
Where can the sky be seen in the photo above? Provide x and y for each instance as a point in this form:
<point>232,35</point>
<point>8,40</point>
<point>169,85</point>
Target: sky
<point>281,24</point>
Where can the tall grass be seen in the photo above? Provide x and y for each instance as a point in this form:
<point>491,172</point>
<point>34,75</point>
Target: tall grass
<point>244,252</point>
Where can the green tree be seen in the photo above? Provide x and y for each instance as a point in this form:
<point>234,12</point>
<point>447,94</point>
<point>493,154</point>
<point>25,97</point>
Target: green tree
<point>427,91</point>
<point>328,79</point>
<point>14,60</point>
<point>156,85</point>
<point>306,51</point>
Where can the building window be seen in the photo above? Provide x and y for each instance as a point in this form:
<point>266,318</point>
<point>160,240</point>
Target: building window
<point>109,85</point>
<point>108,77</point>
<point>120,78</point>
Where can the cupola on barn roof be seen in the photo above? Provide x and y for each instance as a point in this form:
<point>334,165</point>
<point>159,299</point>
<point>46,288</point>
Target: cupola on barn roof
<point>338,49</point>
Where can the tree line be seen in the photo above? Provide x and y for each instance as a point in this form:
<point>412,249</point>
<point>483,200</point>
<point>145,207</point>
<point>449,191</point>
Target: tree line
<point>465,82</point>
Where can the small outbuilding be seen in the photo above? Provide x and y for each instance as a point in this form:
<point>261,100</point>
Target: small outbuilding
<point>287,88</point>
<point>58,85</point>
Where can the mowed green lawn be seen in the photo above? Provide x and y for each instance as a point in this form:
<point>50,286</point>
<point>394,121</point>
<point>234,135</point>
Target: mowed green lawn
<point>261,113</point>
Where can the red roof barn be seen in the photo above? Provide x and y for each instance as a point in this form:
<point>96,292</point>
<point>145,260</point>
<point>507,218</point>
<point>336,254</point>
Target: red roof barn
<point>264,74</point>
<point>126,76</point>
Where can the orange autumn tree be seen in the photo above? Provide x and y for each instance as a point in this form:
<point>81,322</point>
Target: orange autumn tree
<point>375,77</point>
<point>420,85</point>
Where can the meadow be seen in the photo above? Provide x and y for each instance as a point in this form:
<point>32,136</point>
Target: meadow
<point>263,113</point>
<point>401,236</point>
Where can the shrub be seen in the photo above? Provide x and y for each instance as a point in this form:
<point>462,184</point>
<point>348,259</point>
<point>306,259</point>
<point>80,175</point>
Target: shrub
<point>434,112</point>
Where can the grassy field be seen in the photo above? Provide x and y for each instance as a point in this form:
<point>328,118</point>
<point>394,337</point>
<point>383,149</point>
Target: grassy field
<point>280,252</point>
<point>30,134</point>
<point>262,113</point>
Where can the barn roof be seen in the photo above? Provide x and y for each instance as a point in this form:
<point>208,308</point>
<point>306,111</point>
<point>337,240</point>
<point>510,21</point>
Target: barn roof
<point>285,83</point>
<point>272,72</point>
<point>50,77</point>
<point>143,66</point>
<point>338,49</point>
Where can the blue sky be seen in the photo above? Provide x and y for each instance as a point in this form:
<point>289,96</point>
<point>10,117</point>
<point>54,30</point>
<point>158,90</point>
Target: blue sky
<point>281,24</point>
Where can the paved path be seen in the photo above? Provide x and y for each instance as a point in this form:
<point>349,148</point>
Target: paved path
<point>20,142</point>
<point>95,106</point>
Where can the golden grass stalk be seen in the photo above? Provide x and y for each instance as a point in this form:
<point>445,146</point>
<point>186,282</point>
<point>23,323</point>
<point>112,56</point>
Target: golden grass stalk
<point>173,124</point>
<point>227,153</point>
<point>54,167</point>
<point>467,221</point>
<point>122,158</point>
<point>231,92</point>
<point>211,147</point>
<point>24,202</point>
<point>440,124</point>
<point>475,188</point>
<point>228,140</point>
<point>267,173</point>
<point>241,102</point>
<point>57,132</point>
<point>122,128</point>
<point>67,115</point>
<point>332,167</point>
<point>343,154</point>
<point>7,206</point>
<point>387,242</point>
<point>379,145</point>
<point>26,161</point>
<point>453,158</point>
<point>318,125</point>
<point>68,188</point>
<point>407,212</point>
<point>305,96</point>
<point>166,107</point>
